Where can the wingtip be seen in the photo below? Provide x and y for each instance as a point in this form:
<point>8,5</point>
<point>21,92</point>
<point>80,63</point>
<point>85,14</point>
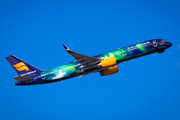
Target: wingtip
<point>67,49</point>
<point>64,45</point>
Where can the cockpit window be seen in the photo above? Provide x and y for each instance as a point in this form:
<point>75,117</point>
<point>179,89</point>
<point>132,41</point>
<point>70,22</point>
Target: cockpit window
<point>163,41</point>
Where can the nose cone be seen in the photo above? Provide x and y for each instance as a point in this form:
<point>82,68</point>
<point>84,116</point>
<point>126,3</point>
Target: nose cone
<point>169,44</point>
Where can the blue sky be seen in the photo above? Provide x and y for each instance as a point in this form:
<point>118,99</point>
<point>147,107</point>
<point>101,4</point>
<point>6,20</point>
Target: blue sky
<point>144,89</point>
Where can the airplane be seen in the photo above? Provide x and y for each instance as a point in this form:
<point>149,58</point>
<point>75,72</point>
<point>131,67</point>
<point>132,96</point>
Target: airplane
<point>105,64</point>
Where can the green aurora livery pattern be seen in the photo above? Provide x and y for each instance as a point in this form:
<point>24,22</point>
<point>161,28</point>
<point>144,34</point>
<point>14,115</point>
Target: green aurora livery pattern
<point>74,68</point>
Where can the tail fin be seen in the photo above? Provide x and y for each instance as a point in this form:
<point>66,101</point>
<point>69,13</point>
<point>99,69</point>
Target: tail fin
<point>22,68</point>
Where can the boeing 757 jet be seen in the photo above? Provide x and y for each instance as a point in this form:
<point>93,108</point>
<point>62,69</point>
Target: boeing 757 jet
<point>105,64</point>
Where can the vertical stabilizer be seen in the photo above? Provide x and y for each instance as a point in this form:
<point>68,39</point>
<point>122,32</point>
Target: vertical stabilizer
<point>22,68</point>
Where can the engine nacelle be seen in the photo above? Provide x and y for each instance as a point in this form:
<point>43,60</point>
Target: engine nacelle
<point>109,71</point>
<point>108,62</point>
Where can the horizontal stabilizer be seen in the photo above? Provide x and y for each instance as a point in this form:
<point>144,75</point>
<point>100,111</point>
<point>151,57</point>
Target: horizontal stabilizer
<point>23,79</point>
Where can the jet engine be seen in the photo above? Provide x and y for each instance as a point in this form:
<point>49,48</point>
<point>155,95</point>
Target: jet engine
<point>109,71</point>
<point>108,62</point>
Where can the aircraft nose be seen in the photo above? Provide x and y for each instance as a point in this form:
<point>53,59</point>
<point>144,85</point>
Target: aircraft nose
<point>169,44</point>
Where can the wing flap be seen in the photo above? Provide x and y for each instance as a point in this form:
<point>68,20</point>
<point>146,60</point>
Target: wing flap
<point>23,79</point>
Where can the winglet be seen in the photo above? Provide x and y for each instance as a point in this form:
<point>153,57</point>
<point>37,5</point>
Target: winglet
<point>67,49</point>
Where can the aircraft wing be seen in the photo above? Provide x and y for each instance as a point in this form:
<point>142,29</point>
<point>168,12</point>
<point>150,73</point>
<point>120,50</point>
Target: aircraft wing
<point>82,59</point>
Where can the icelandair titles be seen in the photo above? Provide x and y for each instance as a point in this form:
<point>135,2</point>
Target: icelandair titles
<point>28,73</point>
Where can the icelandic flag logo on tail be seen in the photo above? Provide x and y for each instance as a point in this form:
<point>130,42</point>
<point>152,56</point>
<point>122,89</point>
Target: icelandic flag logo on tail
<point>22,68</point>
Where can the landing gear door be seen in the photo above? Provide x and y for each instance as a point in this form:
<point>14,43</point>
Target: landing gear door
<point>155,43</point>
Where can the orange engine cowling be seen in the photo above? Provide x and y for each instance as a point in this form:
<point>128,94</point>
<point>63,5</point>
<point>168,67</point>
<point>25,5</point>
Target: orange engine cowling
<point>108,62</point>
<point>109,71</point>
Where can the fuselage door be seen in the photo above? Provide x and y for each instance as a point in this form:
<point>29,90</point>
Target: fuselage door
<point>155,43</point>
<point>42,75</point>
<point>124,52</point>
